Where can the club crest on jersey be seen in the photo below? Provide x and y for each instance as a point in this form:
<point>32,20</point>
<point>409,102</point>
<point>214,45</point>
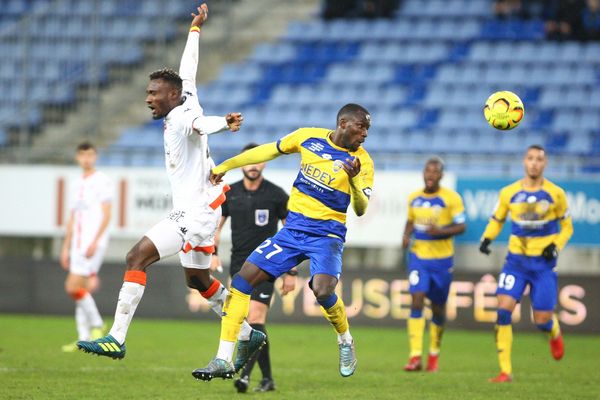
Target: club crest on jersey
<point>337,166</point>
<point>367,191</point>
<point>261,217</point>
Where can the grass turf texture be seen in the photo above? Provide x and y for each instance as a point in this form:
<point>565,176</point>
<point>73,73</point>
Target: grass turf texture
<point>161,355</point>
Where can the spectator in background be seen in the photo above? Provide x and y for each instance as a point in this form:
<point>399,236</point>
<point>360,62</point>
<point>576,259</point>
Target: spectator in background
<point>565,23</point>
<point>591,20</point>
<point>378,8</point>
<point>333,9</point>
<point>338,8</point>
<point>506,9</point>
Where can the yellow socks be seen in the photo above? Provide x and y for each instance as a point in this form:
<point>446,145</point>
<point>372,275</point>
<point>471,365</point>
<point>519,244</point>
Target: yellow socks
<point>335,313</point>
<point>235,310</point>
<point>555,331</point>
<point>504,339</point>
<point>416,327</point>
<point>435,337</point>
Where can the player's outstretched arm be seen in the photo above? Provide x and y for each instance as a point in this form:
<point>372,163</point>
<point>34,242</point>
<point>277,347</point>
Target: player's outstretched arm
<point>189,59</point>
<point>207,125</point>
<point>257,155</point>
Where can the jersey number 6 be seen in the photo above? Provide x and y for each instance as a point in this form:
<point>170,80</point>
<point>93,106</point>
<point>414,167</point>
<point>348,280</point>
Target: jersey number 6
<point>266,244</point>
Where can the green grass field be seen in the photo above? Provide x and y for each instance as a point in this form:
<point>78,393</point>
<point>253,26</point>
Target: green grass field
<point>161,354</point>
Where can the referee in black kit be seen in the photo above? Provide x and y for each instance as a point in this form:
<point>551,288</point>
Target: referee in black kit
<point>255,206</point>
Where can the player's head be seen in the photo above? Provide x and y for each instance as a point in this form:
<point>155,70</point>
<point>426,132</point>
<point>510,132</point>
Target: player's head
<point>535,161</point>
<point>86,156</point>
<point>353,123</point>
<point>163,92</point>
<point>433,173</point>
<point>252,172</point>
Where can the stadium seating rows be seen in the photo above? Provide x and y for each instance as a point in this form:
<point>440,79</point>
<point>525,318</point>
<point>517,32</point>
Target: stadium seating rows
<point>64,53</point>
<point>424,75</point>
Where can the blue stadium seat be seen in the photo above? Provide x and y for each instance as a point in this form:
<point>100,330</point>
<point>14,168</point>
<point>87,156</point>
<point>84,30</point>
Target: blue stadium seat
<point>273,53</point>
<point>579,145</point>
<point>306,31</point>
<point>418,141</point>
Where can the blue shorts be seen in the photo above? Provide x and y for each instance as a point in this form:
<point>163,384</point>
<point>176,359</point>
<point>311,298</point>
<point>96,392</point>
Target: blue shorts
<point>537,272</point>
<point>289,247</point>
<point>433,277</point>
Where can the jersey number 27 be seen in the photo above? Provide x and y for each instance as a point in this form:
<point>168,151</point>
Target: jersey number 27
<point>266,244</point>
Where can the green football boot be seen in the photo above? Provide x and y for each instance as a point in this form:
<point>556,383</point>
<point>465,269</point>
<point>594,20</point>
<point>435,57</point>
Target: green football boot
<point>246,349</point>
<point>347,359</point>
<point>217,368</point>
<point>105,346</point>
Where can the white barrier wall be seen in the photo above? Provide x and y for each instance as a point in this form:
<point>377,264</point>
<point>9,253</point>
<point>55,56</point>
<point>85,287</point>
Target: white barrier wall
<point>34,201</point>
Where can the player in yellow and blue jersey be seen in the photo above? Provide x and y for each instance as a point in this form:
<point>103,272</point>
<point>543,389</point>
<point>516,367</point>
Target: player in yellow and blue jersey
<point>435,215</point>
<point>335,171</point>
<point>541,227</point>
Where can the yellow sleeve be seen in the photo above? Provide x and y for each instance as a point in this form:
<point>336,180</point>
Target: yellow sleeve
<point>457,209</point>
<point>259,154</point>
<point>410,217</point>
<point>291,143</point>
<point>361,186</point>
<point>566,223</point>
<point>494,226</point>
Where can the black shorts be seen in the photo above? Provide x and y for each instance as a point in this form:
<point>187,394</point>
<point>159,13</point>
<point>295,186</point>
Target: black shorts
<point>263,292</point>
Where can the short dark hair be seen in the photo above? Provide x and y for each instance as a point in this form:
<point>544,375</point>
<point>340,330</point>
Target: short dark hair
<point>83,146</point>
<point>351,108</point>
<point>169,76</point>
<point>437,161</point>
<point>536,147</point>
<point>249,146</point>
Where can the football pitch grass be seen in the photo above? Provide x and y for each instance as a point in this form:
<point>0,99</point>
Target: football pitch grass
<point>162,353</point>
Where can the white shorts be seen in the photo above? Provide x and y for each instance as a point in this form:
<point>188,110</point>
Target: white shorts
<point>84,266</point>
<point>187,229</point>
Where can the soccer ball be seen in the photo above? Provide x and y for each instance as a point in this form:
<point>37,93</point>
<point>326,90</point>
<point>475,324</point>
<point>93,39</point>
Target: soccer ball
<point>504,110</point>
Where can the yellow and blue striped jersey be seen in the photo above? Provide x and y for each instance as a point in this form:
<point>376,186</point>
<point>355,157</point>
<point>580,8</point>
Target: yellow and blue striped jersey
<point>321,192</point>
<point>442,208</point>
<point>539,218</point>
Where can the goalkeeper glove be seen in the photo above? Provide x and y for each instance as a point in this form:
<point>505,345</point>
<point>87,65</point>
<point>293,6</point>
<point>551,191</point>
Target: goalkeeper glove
<point>484,247</point>
<point>550,252</point>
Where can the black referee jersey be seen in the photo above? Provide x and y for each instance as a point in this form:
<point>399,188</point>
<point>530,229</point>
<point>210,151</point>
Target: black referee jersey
<point>254,217</point>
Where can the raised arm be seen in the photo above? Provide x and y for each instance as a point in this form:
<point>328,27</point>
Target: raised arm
<point>259,154</point>
<point>189,60</point>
